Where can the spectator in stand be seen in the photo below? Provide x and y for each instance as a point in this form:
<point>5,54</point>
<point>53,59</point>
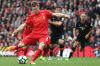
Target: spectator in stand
<point>97,20</point>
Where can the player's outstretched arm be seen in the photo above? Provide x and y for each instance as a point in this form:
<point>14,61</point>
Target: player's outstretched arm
<point>20,28</point>
<point>57,23</point>
<point>61,15</point>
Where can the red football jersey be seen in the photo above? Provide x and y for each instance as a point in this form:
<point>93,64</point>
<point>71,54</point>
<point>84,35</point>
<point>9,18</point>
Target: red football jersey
<point>39,22</point>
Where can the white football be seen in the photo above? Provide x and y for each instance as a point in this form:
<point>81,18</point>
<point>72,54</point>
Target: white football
<point>22,59</point>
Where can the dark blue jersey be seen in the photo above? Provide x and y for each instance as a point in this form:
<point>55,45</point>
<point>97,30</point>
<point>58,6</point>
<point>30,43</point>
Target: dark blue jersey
<point>57,29</point>
<point>83,28</point>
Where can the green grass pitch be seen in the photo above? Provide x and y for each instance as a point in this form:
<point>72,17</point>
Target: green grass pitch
<point>12,61</point>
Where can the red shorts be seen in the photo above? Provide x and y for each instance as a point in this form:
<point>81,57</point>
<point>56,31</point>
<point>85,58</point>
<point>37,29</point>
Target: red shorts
<point>31,39</point>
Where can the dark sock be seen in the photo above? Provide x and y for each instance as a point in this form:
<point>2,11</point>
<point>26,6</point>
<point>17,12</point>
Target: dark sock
<point>61,50</point>
<point>51,53</point>
<point>61,53</point>
<point>71,54</point>
<point>73,48</point>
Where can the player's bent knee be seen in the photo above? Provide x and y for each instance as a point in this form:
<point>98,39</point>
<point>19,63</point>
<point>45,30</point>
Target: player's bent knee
<point>41,45</point>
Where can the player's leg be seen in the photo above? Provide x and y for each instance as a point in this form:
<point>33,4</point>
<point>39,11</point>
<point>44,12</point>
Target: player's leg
<point>75,43</point>
<point>44,54</point>
<point>38,52</point>
<point>61,46</point>
<point>50,52</point>
<point>45,51</point>
<point>25,43</point>
<point>82,42</point>
<point>78,42</point>
<point>25,34</point>
<point>42,44</point>
<point>51,46</point>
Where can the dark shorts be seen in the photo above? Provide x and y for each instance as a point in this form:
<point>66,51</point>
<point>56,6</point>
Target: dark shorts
<point>81,39</point>
<point>55,38</point>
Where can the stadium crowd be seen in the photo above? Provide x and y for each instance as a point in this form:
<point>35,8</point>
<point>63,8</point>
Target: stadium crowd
<point>14,12</point>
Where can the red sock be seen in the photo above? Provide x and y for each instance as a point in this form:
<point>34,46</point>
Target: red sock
<point>37,54</point>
